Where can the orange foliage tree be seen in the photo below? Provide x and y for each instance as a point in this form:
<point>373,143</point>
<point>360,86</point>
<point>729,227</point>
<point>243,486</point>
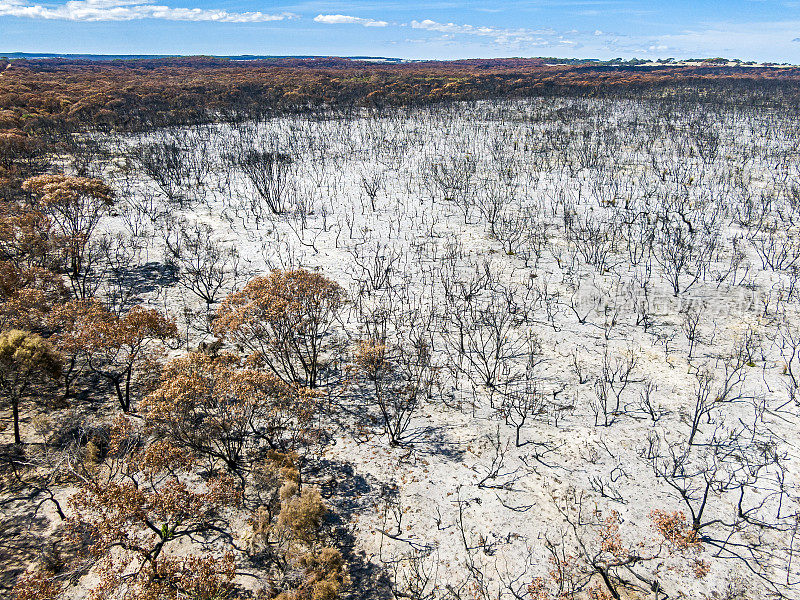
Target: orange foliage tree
<point>24,358</point>
<point>285,320</point>
<point>75,206</point>
<point>28,286</point>
<point>21,156</point>
<point>25,237</point>
<point>289,538</point>
<point>28,295</point>
<point>123,350</point>
<point>219,410</point>
<point>136,503</point>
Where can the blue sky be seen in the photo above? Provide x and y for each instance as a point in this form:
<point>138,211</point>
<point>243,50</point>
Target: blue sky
<point>761,30</point>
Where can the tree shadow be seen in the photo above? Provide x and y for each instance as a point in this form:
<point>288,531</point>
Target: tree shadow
<point>127,285</point>
<point>433,440</point>
<point>349,493</point>
<point>23,530</point>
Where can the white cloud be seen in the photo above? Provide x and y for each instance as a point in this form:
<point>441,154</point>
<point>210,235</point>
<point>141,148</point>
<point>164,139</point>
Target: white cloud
<point>340,19</point>
<point>128,10</point>
<point>511,38</point>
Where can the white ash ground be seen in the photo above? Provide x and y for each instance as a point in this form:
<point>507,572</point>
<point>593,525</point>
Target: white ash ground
<point>542,155</point>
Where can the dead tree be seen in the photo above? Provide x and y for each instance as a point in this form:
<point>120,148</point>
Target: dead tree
<point>270,173</point>
<point>202,264</point>
<point>165,163</point>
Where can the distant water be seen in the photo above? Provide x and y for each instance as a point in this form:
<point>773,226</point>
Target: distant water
<point>100,57</point>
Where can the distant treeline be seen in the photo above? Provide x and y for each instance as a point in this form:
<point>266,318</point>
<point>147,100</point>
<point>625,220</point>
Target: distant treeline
<point>37,96</point>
